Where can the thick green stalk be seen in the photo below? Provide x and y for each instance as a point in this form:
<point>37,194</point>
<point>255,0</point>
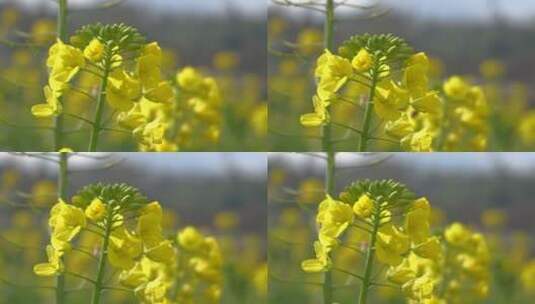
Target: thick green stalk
<point>327,143</point>
<point>101,270</point>
<point>62,35</point>
<point>366,123</point>
<point>95,132</point>
<point>370,256</point>
<point>63,183</point>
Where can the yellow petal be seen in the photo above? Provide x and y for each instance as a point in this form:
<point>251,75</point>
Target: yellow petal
<point>42,110</point>
<point>44,269</point>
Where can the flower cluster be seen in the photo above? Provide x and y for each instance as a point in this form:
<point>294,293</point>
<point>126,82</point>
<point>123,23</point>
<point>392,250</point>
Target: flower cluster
<point>168,266</point>
<point>133,243</point>
<point>201,262</point>
<point>465,126</point>
<point>65,222</point>
<point>467,264</point>
<point>415,126</point>
<point>64,62</point>
<point>124,73</point>
<point>394,82</point>
<point>198,108</point>
<point>427,267</point>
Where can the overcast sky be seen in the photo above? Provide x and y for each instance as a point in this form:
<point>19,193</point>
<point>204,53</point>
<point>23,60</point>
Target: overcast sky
<point>448,10</point>
<point>184,162</point>
<point>520,10</point>
<point>251,7</point>
<point>521,163</point>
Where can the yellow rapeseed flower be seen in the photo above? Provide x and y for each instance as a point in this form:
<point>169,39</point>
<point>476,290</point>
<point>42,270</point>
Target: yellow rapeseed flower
<point>94,51</point>
<point>363,61</point>
<point>96,210</point>
<point>363,207</point>
<point>51,107</point>
<point>54,265</point>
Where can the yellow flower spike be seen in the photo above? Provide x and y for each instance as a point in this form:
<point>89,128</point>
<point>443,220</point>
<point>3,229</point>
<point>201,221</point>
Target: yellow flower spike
<point>456,88</point>
<point>54,265</point>
<point>189,79</point>
<point>363,61</point>
<point>363,207</point>
<point>94,51</point>
<point>52,106</point>
<point>457,234</point>
<point>190,239</point>
<point>96,210</point>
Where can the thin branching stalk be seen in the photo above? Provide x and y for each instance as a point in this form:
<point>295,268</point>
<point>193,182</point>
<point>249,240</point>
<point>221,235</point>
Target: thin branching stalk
<point>366,123</point>
<point>63,182</point>
<point>370,256</point>
<point>97,127</point>
<point>327,143</point>
<point>62,35</point>
<point>101,270</point>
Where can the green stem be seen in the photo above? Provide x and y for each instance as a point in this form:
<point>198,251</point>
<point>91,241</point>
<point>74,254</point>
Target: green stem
<point>101,270</point>
<point>327,143</point>
<point>62,35</point>
<point>369,260</point>
<point>95,132</point>
<point>366,123</point>
<point>63,183</point>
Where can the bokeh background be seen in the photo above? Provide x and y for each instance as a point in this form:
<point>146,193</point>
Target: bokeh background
<point>223,194</point>
<point>489,42</point>
<point>490,192</point>
<point>225,39</point>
